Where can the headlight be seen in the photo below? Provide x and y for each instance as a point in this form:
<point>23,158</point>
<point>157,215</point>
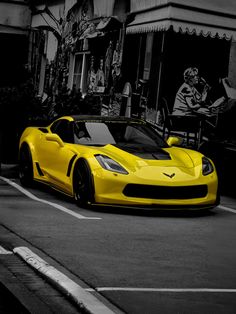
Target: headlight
<point>110,164</point>
<point>207,166</point>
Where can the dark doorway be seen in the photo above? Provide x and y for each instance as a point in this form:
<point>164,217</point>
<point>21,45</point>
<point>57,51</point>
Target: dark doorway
<point>13,58</point>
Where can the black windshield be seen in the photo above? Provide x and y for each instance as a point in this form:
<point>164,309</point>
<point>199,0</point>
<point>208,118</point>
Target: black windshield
<point>121,134</point>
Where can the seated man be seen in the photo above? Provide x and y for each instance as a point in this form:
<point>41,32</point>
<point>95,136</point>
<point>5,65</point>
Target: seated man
<point>188,99</point>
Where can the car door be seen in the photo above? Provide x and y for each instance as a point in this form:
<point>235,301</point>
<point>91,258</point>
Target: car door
<point>56,158</point>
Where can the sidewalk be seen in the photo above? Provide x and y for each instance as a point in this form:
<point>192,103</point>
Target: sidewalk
<point>9,303</point>
<point>15,297</point>
<point>23,290</point>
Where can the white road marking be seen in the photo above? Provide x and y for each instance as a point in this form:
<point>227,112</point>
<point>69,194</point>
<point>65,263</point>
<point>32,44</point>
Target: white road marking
<point>4,251</point>
<point>228,209</point>
<point>35,198</point>
<point>209,290</point>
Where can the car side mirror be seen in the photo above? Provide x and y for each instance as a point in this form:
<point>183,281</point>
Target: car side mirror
<point>55,138</point>
<point>174,140</point>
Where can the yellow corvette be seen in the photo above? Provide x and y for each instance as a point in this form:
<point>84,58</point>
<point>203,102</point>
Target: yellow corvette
<point>116,161</point>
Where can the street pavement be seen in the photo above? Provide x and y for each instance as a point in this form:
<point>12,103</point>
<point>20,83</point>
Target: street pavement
<point>14,296</point>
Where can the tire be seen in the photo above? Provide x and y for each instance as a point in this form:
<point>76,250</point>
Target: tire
<point>26,166</point>
<point>83,184</point>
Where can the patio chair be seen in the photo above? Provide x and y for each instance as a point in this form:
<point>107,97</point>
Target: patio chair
<point>189,127</point>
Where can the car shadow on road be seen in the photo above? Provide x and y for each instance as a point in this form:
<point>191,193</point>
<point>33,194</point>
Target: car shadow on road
<point>171,213</point>
<point>130,211</point>
<point>11,171</point>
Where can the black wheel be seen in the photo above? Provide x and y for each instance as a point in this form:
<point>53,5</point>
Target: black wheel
<point>25,166</point>
<point>83,184</point>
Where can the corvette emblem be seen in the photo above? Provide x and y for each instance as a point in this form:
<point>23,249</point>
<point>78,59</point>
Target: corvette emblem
<point>169,175</point>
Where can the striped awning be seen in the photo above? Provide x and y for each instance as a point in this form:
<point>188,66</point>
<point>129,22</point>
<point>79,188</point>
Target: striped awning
<point>185,19</point>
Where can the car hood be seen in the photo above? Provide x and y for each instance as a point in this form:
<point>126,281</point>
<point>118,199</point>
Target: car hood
<point>139,158</point>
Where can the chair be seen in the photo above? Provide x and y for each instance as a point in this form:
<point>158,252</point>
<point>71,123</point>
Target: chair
<point>181,125</point>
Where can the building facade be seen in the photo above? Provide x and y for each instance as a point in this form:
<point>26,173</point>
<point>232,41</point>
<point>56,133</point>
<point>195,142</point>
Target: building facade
<point>98,45</point>
<point>166,37</point>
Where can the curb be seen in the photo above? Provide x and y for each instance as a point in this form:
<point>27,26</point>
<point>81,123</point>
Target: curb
<point>84,299</point>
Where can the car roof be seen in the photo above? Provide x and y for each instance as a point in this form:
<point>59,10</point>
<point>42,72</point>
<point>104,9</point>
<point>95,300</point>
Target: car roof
<point>105,118</point>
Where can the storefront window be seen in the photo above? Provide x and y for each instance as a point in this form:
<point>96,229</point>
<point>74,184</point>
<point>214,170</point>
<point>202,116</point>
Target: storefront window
<point>78,71</point>
<point>148,56</point>
<point>96,76</point>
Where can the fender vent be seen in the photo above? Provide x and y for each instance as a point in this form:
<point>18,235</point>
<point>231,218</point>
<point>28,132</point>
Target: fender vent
<point>40,172</point>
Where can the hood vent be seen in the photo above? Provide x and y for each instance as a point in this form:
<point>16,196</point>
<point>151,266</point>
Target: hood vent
<point>160,155</point>
<point>145,153</point>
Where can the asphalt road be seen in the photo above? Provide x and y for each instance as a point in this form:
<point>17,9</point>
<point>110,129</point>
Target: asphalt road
<point>138,262</point>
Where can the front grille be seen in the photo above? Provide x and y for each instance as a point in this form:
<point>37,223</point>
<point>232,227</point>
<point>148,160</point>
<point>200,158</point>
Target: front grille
<point>165,192</point>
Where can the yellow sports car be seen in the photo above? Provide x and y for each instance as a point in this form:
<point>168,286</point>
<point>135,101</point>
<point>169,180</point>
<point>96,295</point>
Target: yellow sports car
<point>116,162</point>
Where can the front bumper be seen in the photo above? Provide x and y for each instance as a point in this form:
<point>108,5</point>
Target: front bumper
<point>111,189</point>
